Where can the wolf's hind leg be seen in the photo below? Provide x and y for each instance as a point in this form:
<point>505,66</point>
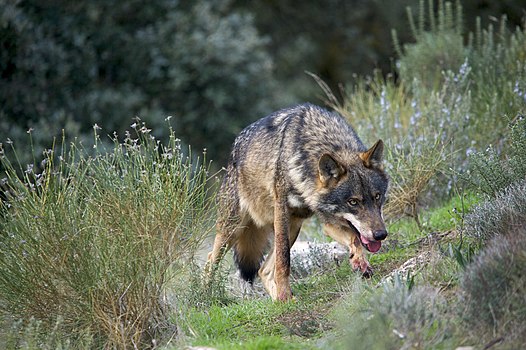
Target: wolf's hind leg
<point>347,237</point>
<point>222,244</point>
<point>227,228</point>
<point>229,219</point>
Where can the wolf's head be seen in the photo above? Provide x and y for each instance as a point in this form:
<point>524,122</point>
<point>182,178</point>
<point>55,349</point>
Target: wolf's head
<point>352,193</point>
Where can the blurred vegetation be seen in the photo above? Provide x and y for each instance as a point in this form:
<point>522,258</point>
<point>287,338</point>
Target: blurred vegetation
<point>72,65</point>
<point>493,285</point>
<point>213,66</point>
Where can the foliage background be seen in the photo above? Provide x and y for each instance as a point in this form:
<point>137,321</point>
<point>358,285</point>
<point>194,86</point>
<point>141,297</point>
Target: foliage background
<point>214,66</point>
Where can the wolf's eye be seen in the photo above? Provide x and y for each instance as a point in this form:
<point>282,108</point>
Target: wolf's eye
<point>353,202</point>
<point>377,196</point>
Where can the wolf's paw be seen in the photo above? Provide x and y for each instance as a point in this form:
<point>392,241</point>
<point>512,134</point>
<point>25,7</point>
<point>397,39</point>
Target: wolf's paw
<point>283,292</point>
<point>363,266</point>
<point>286,296</point>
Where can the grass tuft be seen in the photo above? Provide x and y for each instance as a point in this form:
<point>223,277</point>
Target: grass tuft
<point>91,239</point>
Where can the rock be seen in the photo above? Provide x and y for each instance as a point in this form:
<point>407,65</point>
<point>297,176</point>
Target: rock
<point>308,257</point>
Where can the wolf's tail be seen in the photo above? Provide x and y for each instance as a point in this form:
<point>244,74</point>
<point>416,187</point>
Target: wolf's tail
<point>249,251</point>
<point>248,268</point>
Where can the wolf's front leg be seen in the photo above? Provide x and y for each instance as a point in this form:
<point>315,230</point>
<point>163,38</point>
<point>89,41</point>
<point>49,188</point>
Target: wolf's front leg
<point>349,238</point>
<point>268,270</point>
<point>282,248</point>
<point>266,273</point>
<point>358,259</point>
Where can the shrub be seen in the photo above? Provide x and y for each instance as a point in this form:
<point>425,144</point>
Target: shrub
<point>437,49</point>
<point>405,317</point>
<point>91,240</point>
<point>494,286</point>
<point>498,82</point>
<point>490,173</point>
<point>492,65</point>
<point>493,217</point>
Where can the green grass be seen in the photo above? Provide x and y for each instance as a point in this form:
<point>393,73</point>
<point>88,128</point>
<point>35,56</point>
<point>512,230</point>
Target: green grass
<point>445,217</point>
<point>263,323</point>
<point>265,343</point>
<point>312,320</point>
<point>406,236</point>
<point>236,322</point>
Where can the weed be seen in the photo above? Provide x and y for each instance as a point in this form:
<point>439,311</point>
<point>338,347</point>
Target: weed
<point>462,255</point>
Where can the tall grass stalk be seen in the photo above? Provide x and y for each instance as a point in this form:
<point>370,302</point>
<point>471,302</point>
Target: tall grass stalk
<point>91,239</point>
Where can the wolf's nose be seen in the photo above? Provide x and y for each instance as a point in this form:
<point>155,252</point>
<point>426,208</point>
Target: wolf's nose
<point>380,235</point>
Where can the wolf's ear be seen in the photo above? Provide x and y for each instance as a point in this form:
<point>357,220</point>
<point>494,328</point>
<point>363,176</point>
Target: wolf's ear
<point>329,169</point>
<point>374,156</point>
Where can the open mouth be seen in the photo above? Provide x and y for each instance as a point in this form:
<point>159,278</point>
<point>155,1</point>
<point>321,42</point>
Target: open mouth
<point>372,246</point>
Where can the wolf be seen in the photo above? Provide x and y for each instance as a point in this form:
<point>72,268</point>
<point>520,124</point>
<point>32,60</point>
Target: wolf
<point>286,167</point>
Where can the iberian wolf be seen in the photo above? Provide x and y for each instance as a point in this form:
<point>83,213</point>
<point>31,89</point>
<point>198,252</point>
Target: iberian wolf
<point>286,167</point>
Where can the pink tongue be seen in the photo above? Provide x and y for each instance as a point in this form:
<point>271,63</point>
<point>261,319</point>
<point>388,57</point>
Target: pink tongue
<point>373,247</point>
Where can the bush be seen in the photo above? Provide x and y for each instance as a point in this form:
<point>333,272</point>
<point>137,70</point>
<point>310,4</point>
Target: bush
<point>490,173</point>
<point>502,181</point>
<point>491,66</point>
<point>89,243</point>
<point>494,286</point>
<point>405,318</point>
<point>498,82</point>
<point>493,217</point>
<point>439,48</point>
